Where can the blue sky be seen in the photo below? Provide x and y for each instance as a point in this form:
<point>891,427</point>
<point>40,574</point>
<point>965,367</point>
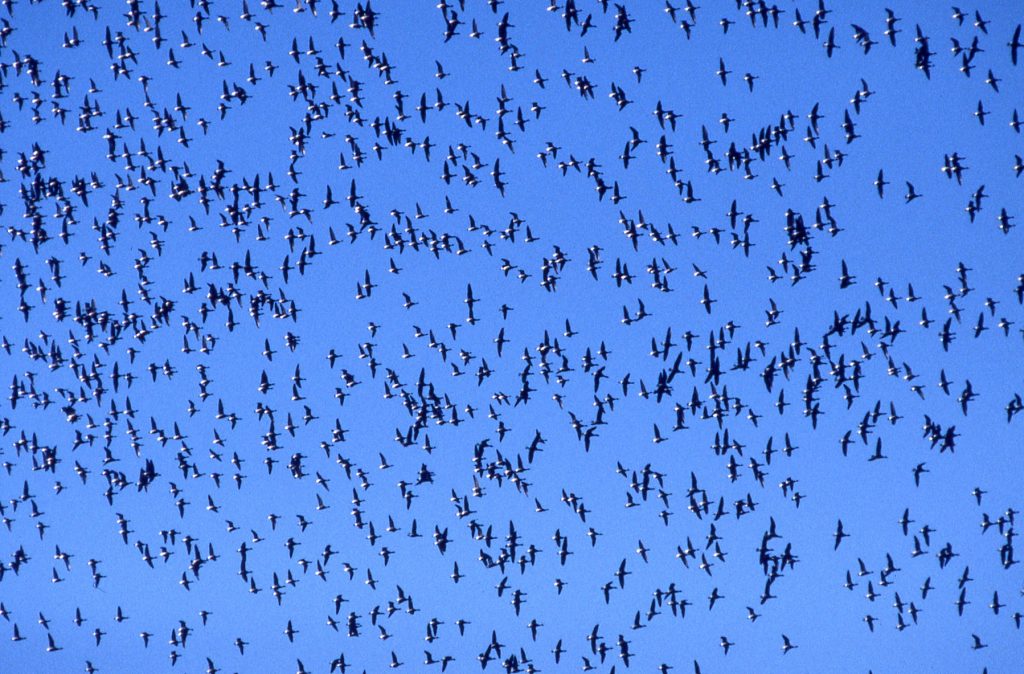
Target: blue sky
<point>547,219</point>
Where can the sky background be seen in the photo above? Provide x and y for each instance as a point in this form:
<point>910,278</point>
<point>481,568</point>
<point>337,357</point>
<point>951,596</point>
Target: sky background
<point>906,127</point>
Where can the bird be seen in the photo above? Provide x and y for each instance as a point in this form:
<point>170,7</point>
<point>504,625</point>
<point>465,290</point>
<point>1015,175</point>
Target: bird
<point>497,384</point>
<point>839,535</point>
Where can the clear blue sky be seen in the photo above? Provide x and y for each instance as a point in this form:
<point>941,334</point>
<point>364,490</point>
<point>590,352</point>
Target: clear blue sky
<point>126,194</point>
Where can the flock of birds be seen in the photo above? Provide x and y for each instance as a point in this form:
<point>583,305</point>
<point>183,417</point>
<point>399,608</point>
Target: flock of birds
<point>200,406</point>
